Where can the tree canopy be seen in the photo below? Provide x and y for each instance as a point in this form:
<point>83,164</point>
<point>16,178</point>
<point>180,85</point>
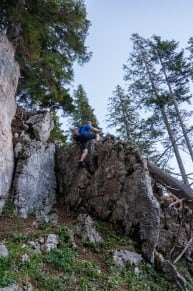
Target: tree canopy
<point>83,111</point>
<point>48,36</point>
<point>158,75</point>
<point>124,118</point>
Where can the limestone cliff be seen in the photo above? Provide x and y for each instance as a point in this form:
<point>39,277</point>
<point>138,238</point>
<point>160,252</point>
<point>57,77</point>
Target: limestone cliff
<point>9,74</point>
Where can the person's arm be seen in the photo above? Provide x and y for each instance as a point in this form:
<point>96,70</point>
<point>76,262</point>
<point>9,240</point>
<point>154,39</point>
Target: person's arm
<point>95,129</point>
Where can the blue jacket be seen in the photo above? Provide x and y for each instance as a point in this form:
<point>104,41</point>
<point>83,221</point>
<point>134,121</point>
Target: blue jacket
<point>85,128</point>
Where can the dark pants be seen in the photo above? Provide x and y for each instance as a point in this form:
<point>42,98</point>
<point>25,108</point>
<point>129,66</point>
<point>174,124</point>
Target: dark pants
<point>85,140</point>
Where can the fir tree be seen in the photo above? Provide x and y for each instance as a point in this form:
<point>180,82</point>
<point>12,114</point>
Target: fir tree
<point>48,37</point>
<point>83,111</point>
<point>122,116</point>
<point>149,86</point>
<point>176,72</point>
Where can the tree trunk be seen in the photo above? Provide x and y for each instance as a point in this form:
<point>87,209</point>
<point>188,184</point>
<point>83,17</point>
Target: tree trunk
<point>170,133</point>
<point>175,147</point>
<point>178,112</point>
<point>125,120</point>
<point>173,185</point>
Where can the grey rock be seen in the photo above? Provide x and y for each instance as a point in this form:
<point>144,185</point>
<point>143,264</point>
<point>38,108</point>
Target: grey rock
<point>11,288</point>
<point>52,242</point>
<point>44,244</point>
<point>9,74</point>
<point>35,182</point>
<point>25,258</point>
<point>42,124</point>
<point>86,229</point>
<point>3,251</point>
<point>43,217</point>
<point>116,186</point>
<point>123,257</point>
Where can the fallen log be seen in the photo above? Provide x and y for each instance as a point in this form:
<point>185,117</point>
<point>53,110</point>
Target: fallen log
<point>171,184</point>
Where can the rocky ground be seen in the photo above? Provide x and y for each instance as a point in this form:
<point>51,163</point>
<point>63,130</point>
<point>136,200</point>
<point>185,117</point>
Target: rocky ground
<point>75,264</point>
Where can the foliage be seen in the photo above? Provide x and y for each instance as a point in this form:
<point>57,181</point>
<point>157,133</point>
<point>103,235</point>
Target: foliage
<point>124,117</point>
<point>49,36</point>
<point>62,259</point>
<point>83,111</point>
<point>81,267</point>
<point>5,278</point>
<point>57,133</point>
<point>157,75</point>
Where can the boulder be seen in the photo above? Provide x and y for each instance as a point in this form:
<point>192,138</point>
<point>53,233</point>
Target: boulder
<point>41,124</point>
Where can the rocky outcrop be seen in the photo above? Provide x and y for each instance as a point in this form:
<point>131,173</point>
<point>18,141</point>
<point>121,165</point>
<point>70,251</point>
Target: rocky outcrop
<point>115,185</point>
<point>34,182</point>
<point>41,124</point>
<point>9,74</point>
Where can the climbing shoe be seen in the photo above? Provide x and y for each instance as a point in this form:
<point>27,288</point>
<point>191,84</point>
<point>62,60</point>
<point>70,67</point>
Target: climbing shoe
<point>80,164</point>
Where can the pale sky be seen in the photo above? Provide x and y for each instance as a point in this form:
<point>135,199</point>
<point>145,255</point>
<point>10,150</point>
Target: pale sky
<point>112,23</point>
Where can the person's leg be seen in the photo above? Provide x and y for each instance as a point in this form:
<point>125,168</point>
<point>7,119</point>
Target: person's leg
<point>97,137</point>
<point>83,155</point>
<point>84,152</point>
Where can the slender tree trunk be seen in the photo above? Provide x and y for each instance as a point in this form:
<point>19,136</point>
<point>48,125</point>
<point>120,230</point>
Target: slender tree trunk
<point>177,111</point>
<point>170,133</point>
<point>173,185</point>
<point>125,119</point>
<point>175,147</point>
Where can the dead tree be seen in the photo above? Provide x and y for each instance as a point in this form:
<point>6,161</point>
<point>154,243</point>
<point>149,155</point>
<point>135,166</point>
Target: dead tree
<point>171,184</point>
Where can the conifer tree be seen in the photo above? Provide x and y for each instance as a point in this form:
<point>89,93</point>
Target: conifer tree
<point>176,72</point>
<point>48,36</point>
<point>124,118</point>
<point>149,88</point>
<point>83,111</point>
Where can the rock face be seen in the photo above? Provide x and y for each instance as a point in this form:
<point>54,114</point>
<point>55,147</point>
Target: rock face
<point>115,185</point>
<point>9,74</point>
<point>34,182</point>
<point>42,124</point>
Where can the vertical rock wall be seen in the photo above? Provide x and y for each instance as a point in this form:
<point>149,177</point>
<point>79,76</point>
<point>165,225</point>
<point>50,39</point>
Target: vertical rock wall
<point>34,182</point>
<point>9,75</point>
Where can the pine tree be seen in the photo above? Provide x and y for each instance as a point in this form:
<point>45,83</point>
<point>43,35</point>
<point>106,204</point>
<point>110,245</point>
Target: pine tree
<point>176,72</point>
<point>124,118</point>
<point>48,36</point>
<point>121,115</point>
<point>57,133</point>
<point>83,111</point>
<point>149,89</point>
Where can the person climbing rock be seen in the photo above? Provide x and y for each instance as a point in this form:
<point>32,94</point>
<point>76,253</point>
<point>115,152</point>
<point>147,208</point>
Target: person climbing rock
<point>87,134</point>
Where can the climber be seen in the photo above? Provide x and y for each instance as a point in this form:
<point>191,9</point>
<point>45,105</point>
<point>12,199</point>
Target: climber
<point>87,134</point>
